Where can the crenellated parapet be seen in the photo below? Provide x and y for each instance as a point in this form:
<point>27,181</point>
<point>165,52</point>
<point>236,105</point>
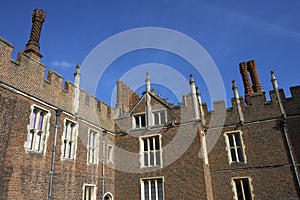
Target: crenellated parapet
<point>27,75</point>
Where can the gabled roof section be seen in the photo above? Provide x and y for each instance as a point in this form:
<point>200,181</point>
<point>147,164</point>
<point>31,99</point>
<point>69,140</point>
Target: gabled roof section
<point>143,99</point>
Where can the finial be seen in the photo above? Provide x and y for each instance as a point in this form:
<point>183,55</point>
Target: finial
<point>191,79</point>
<point>147,80</point>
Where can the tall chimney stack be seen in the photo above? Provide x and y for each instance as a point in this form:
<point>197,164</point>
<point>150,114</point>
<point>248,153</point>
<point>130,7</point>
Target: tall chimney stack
<point>247,68</point>
<point>33,47</point>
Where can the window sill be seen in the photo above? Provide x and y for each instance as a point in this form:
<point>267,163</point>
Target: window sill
<point>32,152</point>
<point>68,159</point>
<point>238,163</point>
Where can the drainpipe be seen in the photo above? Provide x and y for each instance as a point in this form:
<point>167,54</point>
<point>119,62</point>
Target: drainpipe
<point>284,128</point>
<point>58,113</point>
<point>103,149</point>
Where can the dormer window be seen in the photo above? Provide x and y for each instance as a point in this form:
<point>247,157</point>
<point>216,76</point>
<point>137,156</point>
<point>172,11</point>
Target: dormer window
<point>139,121</point>
<point>159,117</point>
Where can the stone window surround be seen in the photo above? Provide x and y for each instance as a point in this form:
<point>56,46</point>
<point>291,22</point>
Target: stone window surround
<point>141,152</point>
<point>74,141</point>
<point>234,186</point>
<point>142,180</point>
<point>94,192</point>
<point>140,120</point>
<point>228,147</point>
<point>159,111</point>
<point>97,147</point>
<point>46,127</point>
<point>110,153</point>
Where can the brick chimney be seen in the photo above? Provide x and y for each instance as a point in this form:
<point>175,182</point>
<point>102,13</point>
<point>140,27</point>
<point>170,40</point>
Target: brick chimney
<point>247,68</point>
<point>32,47</point>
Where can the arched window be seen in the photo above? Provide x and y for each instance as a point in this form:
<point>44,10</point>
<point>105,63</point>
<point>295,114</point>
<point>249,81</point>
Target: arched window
<point>107,196</point>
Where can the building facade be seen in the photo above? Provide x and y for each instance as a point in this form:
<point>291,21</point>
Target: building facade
<point>62,143</point>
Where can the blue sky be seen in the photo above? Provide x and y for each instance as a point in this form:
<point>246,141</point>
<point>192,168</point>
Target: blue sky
<point>230,31</point>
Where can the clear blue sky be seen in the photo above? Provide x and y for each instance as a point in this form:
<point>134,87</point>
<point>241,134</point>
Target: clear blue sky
<point>230,31</point>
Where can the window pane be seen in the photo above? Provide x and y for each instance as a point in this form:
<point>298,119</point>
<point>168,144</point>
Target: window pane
<point>69,149</point>
<point>71,132</point>
<point>146,163</point>
<point>230,138</point>
<point>41,120</point>
<point>146,190</point>
<point>239,190</point>
<point>30,140</point>
<point>247,193</point>
<point>157,158</point>
<point>137,122</point>
<point>65,148</point>
<point>37,142</point>
<point>143,121</point>
<point>160,189</point>
<point>156,119</point>
<point>152,158</point>
<point>151,143</point>
<point>233,155</point>
<point>153,192</point>
<point>237,139</point>
<point>33,119</point>
<point>240,155</point>
<point>162,118</point>
<point>145,144</point>
<point>157,146</point>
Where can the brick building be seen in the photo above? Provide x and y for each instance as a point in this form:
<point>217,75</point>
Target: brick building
<point>63,143</point>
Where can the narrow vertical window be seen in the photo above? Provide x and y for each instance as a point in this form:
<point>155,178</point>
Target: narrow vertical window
<point>36,136</point>
<point>151,153</point>
<point>89,192</point>
<point>69,140</point>
<point>152,189</point>
<point>242,189</point>
<point>93,147</point>
<point>110,154</point>
<point>235,147</point>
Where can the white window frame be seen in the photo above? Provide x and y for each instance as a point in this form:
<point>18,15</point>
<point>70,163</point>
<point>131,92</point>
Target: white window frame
<point>235,147</point>
<point>109,194</point>
<point>234,189</point>
<point>143,180</point>
<point>140,120</point>
<point>73,141</point>
<point>44,132</point>
<point>159,117</point>
<point>110,153</point>
<point>95,147</point>
<point>94,193</point>
<point>154,151</point>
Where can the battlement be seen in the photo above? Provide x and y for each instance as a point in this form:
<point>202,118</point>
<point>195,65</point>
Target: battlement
<point>27,75</point>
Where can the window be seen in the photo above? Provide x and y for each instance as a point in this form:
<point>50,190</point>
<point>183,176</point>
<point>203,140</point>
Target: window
<point>159,117</point>
<point>108,196</point>
<point>93,147</point>
<point>235,147</point>
<point>139,121</point>
<point>152,189</point>
<point>89,192</point>
<point>38,130</point>
<point>242,190</point>
<point>150,151</point>
<point>69,140</point>
<point>109,153</point>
